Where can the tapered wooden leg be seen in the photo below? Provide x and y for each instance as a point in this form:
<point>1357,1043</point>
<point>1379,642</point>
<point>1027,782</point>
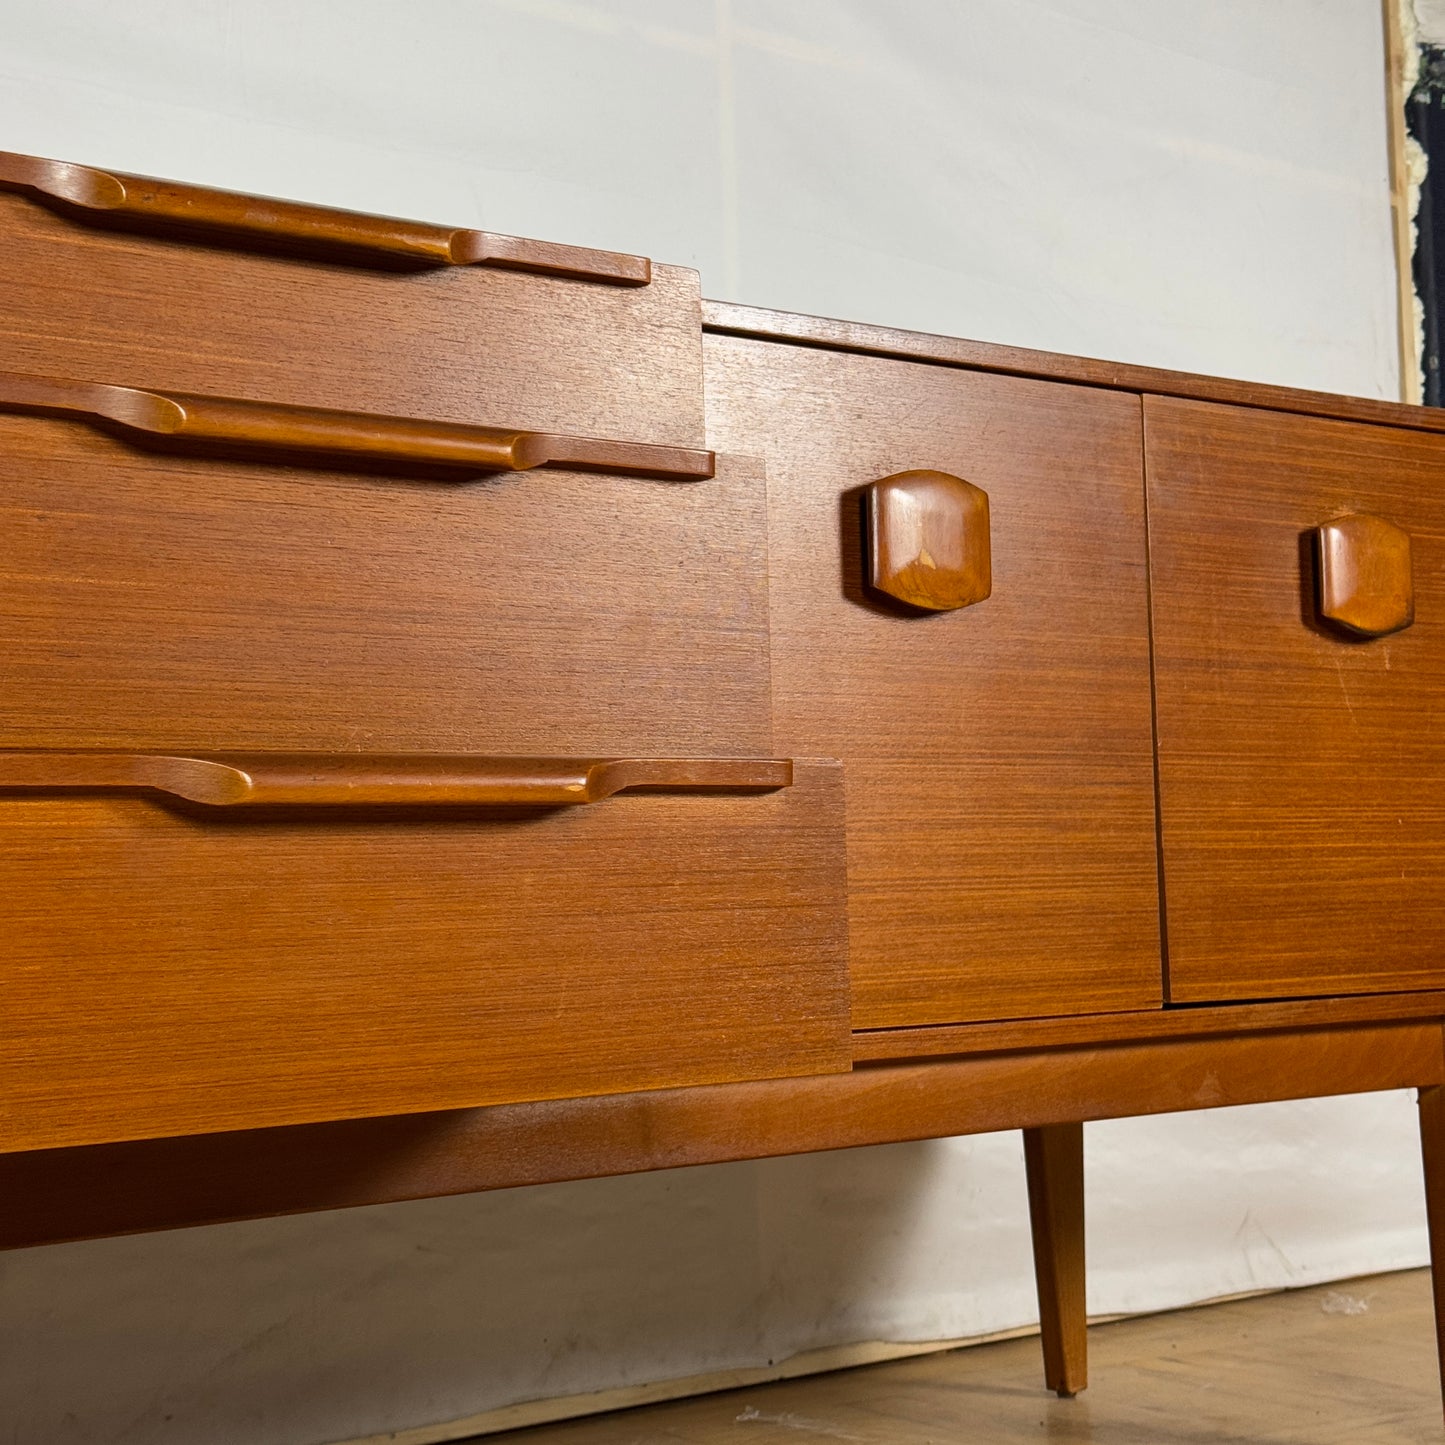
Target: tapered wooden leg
<point>1054,1158</point>
<point>1432,1150</point>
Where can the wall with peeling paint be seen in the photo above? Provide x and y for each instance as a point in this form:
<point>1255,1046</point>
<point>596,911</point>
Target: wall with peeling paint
<point>1193,185</point>
<point>1430,19</point>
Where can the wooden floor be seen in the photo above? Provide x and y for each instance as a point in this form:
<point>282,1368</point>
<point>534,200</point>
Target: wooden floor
<point>1345,1364</point>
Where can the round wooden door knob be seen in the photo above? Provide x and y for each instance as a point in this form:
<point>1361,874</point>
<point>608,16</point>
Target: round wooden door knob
<point>928,540</point>
<point>1366,584</point>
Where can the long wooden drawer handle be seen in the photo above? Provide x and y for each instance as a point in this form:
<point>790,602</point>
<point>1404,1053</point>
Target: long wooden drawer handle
<point>928,540</point>
<point>224,424</point>
<point>226,780</point>
<point>98,197</point>
<point>1366,580</point>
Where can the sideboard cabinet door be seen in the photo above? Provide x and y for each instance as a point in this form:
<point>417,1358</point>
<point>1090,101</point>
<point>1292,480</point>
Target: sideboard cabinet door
<point>1298,571</point>
<point>997,754</point>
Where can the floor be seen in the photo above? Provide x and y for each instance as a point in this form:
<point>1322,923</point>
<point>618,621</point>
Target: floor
<point>1345,1364</point>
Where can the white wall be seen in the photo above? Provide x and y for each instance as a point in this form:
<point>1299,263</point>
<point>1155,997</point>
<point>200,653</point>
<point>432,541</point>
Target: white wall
<point>1430,17</point>
<point>1191,183</point>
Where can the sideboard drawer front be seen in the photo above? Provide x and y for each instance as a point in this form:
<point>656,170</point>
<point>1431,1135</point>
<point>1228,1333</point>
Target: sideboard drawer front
<point>155,601</point>
<point>997,755</point>
<point>1301,762</point>
<point>452,343</point>
<point>175,970</point>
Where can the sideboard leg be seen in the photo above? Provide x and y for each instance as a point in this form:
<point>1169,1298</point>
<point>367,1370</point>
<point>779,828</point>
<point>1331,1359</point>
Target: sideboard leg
<point>1054,1159</point>
<point>1432,1149</point>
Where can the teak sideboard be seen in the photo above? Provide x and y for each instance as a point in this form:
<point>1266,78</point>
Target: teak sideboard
<point>476,714</point>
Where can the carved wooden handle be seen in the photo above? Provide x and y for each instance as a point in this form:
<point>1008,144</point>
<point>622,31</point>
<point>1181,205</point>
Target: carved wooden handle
<point>928,540</point>
<point>227,780</point>
<point>223,424</point>
<point>1366,583</point>
<point>96,196</point>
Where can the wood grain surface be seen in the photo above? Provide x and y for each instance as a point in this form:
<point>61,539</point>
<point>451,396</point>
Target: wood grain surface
<point>158,603</point>
<point>928,540</point>
<point>727,318</point>
<point>998,759</point>
<point>1175,1022</point>
<point>53,1194</point>
<point>1302,773</point>
<point>1054,1164</point>
<point>380,781</point>
<point>170,972</point>
<point>90,196</point>
<point>308,435</point>
<point>451,343</point>
<point>1366,576</point>
<point>371,780</point>
<point>93,197</point>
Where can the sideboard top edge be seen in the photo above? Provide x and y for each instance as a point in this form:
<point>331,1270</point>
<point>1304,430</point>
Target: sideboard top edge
<point>732,319</point>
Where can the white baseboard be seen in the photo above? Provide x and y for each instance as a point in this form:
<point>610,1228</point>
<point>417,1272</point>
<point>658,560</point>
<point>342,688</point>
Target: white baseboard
<point>570,1407</point>
<point>810,1362</point>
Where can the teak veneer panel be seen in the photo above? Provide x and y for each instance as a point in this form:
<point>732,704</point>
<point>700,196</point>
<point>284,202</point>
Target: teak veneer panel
<point>157,603</point>
<point>1054,1165</point>
<point>728,318</point>
<point>349,781</point>
<point>997,759</point>
<point>1301,772</point>
<point>172,971</point>
<point>51,1195</point>
<point>93,197</point>
<point>449,343</point>
<point>271,431</point>
<point>1193,1021</point>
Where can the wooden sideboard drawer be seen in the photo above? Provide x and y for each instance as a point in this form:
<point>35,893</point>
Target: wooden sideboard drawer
<point>1301,762</point>
<point>284,310</point>
<point>173,967</point>
<point>998,757</point>
<point>159,601</point>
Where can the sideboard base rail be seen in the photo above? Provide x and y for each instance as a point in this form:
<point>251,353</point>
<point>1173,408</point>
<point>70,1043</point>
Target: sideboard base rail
<point>53,1195</point>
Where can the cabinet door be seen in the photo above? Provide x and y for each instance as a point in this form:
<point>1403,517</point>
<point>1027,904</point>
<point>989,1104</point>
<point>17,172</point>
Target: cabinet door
<point>998,761</point>
<point>1301,765</point>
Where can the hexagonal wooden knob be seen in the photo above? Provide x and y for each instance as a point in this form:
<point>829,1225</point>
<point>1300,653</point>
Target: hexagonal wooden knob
<point>928,540</point>
<point>1365,580</point>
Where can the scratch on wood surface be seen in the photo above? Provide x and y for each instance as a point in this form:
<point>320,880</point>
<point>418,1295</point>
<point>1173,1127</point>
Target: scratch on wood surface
<point>1345,688</point>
